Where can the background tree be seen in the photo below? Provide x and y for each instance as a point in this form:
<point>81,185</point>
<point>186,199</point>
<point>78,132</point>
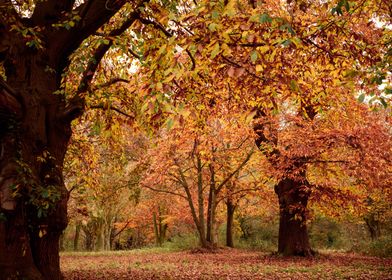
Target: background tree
<point>103,175</point>
<point>196,162</point>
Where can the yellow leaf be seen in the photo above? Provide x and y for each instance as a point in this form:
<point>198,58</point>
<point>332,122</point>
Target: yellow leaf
<point>263,49</point>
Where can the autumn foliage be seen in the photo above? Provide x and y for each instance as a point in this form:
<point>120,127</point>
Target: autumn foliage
<point>162,118</point>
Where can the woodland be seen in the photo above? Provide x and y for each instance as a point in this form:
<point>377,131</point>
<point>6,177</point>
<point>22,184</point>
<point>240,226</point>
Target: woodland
<point>205,131</point>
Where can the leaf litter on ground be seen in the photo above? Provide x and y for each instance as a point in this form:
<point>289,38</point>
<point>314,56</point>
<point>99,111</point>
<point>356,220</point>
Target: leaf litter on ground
<point>221,264</point>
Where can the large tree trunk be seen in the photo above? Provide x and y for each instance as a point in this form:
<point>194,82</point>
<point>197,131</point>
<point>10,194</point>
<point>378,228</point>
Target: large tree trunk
<point>35,127</point>
<point>33,142</point>
<point>293,234</point>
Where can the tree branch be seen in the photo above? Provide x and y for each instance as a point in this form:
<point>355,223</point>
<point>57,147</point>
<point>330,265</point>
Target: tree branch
<point>164,191</point>
<point>100,52</point>
<point>135,55</point>
<point>94,14</point>
<point>249,155</point>
<point>107,107</point>
<point>235,64</point>
<point>157,25</point>
<point>50,11</point>
<point>192,59</point>
<point>122,229</point>
<point>168,33</point>
<point>111,82</point>
<point>77,103</point>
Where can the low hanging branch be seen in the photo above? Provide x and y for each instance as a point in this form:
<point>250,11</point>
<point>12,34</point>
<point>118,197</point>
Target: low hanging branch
<point>111,82</point>
<point>111,107</point>
<point>239,167</point>
<point>168,33</point>
<point>77,103</point>
<point>156,25</point>
<point>106,107</point>
<point>165,191</point>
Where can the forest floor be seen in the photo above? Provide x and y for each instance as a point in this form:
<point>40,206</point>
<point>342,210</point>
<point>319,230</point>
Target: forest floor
<point>222,264</point>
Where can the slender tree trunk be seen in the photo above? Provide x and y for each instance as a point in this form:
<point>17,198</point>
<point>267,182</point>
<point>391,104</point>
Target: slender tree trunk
<point>229,224</point>
<point>211,207</point>
<point>162,235</point>
<point>199,227</point>
<point>89,236</point>
<point>113,233</point>
<point>156,231</point>
<point>198,217</point>
<point>211,216</point>
<point>202,224</point>
<point>293,234</point>
<point>100,234</point>
<point>162,227</point>
<point>373,226</point>
<point>76,237</point>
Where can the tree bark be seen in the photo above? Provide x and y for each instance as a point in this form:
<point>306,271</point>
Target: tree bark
<point>200,199</point>
<point>100,233</point>
<point>89,237</point>
<point>33,195</point>
<point>293,234</point>
<point>76,237</point>
<point>162,227</point>
<point>211,208</point>
<point>229,223</point>
<point>156,232</point>
<point>373,225</point>
<point>35,129</point>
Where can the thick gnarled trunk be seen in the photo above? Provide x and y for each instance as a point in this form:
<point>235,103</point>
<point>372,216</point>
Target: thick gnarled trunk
<point>35,125</point>
<point>293,234</point>
<point>33,195</point>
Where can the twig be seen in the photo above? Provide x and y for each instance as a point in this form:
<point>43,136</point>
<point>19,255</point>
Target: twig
<point>102,106</point>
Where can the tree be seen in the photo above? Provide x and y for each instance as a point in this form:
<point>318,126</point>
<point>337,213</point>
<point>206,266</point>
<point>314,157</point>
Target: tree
<point>335,141</point>
<point>196,160</point>
<point>37,46</point>
<point>275,57</point>
<point>102,175</point>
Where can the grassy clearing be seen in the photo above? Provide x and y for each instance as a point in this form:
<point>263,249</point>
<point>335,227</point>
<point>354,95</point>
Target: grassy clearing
<point>157,263</point>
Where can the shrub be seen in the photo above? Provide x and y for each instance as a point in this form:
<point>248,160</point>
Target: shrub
<point>381,247</point>
<point>182,242</point>
<point>325,233</point>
